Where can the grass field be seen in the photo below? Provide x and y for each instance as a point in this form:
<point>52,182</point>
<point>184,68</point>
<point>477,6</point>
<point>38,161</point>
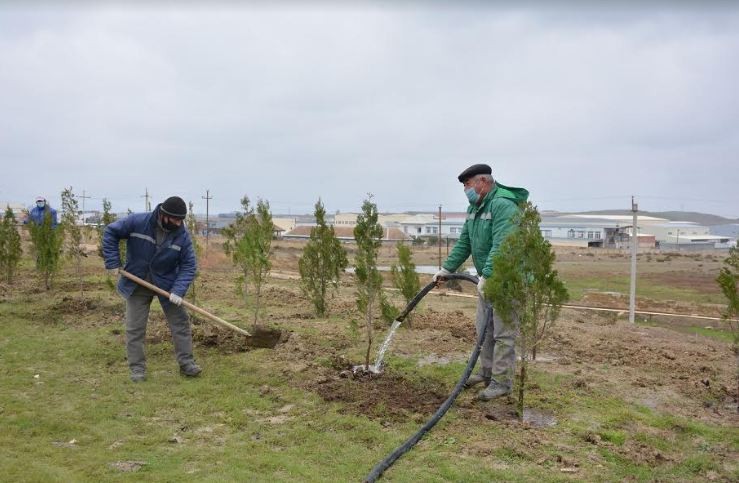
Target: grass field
<point>640,403</point>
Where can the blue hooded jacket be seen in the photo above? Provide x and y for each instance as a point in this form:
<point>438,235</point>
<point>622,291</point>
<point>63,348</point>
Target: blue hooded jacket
<point>36,215</point>
<point>171,266</point>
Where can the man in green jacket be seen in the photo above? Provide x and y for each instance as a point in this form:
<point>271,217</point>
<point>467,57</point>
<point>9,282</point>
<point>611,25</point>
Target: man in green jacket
<point>489,220</point>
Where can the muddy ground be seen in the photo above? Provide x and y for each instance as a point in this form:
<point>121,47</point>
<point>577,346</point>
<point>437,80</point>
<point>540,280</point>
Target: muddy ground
<point>661,368</point>
<point>692,376</point>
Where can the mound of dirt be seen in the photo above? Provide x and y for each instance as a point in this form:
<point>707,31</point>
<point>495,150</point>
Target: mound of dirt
<point>673,371</point>
<point>69,305</point>
<point>387,396</point>
<point>228,342</point>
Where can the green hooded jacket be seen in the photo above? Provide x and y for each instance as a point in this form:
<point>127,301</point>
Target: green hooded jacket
<point>486,227</point>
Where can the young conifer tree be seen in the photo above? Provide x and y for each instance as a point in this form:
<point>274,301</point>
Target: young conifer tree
<point>249,241</point>
<point>728,281</point>
<point>46,241</point>
<point>368,235</point>
<point>236,245</point>
<point>261,232</point>
<point>525,287</point>
<point>72,232</point>
<point>405,277</point>
<point>10,246</point>
<point>322,262</point>
<point>107,218</point>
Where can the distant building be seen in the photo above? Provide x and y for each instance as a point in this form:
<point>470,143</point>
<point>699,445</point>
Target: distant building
<point>345,234</point>
<point>730,230</point>
<point>427,225</point>
<point>593,230</point>
<point>19,210</point>
<point>284,224</point>
<point>384,219</point>
<point>616,231</point>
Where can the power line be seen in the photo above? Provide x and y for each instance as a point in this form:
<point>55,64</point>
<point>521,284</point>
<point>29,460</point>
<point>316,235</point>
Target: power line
<point>84,197</point>
<point>207,199</point>
<point>147,207</point>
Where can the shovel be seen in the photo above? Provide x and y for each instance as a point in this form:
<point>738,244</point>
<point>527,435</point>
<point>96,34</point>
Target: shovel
<point>187,304</point>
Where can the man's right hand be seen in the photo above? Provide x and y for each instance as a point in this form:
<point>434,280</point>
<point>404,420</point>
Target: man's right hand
<point>113,272</point>
<point>441,275</point>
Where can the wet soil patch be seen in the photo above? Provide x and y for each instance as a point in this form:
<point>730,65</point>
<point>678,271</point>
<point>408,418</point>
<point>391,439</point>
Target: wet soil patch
<point>387,396</point>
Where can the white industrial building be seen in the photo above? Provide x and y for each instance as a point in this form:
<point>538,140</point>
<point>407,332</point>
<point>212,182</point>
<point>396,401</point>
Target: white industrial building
<point>616,230</point>
<point>583,230</point>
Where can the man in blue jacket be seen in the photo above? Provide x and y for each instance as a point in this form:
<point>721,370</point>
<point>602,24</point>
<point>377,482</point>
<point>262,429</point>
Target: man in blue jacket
<point>160,251</point>
<point>41,210</point>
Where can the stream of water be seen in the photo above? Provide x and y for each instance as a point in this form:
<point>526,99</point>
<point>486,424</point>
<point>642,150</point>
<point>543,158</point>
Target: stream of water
<point>385,345</point>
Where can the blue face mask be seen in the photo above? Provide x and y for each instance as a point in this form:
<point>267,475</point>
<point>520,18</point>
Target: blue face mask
<point>472,195</point>
<point>40,204</point>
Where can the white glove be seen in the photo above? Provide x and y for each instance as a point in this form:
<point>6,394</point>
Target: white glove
<point>441,274</point>
<point>113,272</point>
<point>175,299</point>
<point>481,286</point>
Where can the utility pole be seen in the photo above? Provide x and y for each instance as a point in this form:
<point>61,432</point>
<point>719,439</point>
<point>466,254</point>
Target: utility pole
<point>634,244</point>
<point>83,206</point>
<point>439,237</point>
<point>207,199</point>
<point>147,207</point>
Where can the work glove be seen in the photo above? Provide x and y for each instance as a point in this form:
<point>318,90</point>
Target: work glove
<point>441,274</point>
<point>175,299</point>
<point>481,287</point>
<point>113,272</point>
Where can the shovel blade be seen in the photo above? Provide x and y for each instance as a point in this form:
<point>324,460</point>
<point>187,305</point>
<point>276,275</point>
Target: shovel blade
<point>266,337</point>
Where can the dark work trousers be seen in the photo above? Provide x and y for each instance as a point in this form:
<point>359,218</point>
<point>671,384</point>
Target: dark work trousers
<point>137,316</point>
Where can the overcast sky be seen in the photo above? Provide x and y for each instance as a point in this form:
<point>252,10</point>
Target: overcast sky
<point>583,107</point>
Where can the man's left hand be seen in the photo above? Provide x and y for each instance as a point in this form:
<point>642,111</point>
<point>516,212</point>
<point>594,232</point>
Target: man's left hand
<point>481,286</point>
<point>175,299</point>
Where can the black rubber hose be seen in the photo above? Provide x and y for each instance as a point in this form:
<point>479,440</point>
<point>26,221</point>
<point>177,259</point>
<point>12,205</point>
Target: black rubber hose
<point>411,442</point>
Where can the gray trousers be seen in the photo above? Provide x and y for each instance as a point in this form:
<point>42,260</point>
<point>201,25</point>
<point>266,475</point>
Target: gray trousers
<point>137,316</point>
<point>498,353</point>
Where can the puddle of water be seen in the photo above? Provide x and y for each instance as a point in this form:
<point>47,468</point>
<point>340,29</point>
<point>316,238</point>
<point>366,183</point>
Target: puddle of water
<point>544,358</point>
<point>361,368</point>
<point>538,419</point>
<point>433,359</point>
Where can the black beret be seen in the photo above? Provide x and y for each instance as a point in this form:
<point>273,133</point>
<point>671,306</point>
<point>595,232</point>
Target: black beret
<point>474,170</point>
<point>175,207</point>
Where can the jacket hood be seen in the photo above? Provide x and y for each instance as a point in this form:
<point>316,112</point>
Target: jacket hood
<point>517,195</point>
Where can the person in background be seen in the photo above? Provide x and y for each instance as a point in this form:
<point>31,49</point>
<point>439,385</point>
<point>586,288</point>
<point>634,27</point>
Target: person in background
<point>40,210</point>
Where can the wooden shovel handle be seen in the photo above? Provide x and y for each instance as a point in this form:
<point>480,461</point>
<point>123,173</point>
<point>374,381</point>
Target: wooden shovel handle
<point>187,304</point>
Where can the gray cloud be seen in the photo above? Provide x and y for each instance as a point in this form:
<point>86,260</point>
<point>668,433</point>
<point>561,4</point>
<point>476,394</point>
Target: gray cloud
<point>584,108</point>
